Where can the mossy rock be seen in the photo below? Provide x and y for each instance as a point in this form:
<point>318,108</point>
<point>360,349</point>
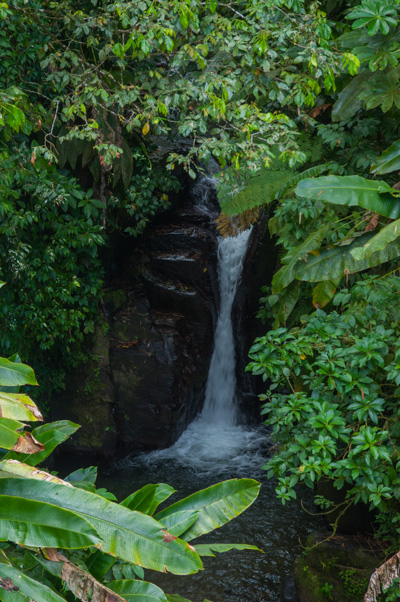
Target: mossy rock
<point>336,568</point>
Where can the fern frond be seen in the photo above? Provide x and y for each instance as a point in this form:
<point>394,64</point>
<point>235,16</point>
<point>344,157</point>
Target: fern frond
<point>232,225</point>
<point>255,191</point>
<point>312,172</point>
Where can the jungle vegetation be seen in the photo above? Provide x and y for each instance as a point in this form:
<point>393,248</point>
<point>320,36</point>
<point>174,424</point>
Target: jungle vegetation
<point>104,106</point>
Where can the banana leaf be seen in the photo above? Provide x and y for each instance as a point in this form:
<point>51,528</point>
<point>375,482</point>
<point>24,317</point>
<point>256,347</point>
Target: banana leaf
<point>11,438</point>
<point>14,374</point>
<point>216,505</point>
<point>179,522</point>
<point>32,589</point>
<point>388,161</point>
<point>338,261</point>
<point>137,591</point>
<point>209,549</point>
<point>374,195</point>
<point>41,523</point>
<point>379,242</point>
<point>126,534</point>
<point>18,407</point>
<point>283,277</point>
<point>148,498</point>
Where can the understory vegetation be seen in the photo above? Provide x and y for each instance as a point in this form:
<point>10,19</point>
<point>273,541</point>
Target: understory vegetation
<point>107,110</point>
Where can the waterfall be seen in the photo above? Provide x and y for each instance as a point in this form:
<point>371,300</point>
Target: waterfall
<point>220,404</point>
<point>215,440</point>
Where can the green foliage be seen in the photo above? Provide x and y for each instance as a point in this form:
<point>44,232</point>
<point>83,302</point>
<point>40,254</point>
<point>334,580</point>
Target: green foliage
<point>104,544</point>
<point>333,395</point>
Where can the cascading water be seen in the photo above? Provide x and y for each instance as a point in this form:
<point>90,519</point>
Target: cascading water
<point>215,439</point>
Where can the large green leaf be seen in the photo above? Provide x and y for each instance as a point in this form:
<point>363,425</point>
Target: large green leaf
<point>379,242</point>
<point>137,591</point>
<point>210,548</point>
<point>148,498</point>
<point>14,468</point>
<point>10,438</point>
<point>40,523</point>
<point>127,534</point>
<point>283,277</point>
<point>179,522</point>
<point>14,374</point>
<point>18,407</point>
<point>34,590</point>
<point>348,102</point>
<point>333,263</point>
<point>388,161</point>
<point>374,195</point>
<point>51,435</point>
<point>216,505</point>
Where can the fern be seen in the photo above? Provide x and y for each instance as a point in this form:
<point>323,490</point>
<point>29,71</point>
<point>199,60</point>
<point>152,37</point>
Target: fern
<point>255,191</point>
<point>308,173</point>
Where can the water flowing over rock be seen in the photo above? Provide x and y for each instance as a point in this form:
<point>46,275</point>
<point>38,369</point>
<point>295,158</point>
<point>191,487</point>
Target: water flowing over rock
<point>148,381</point>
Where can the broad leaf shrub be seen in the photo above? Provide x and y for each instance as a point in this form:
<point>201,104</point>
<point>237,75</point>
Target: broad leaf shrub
<point>67,540</point>
<point>333,396</point>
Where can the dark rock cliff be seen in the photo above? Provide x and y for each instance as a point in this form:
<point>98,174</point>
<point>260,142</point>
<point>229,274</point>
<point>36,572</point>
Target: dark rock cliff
<point>151,356</point>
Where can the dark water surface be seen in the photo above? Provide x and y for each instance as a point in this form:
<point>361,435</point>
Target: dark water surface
<point>235,576</point>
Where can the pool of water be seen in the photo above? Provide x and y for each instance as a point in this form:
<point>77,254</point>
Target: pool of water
<point>236,576</point>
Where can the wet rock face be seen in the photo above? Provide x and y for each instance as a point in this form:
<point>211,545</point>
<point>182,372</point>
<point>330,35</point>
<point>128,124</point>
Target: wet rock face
<point>161,310</point>
<point>161,338</point>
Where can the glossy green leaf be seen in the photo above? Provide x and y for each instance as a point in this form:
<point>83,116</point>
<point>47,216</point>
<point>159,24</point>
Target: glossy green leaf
<point>49,435</point>
<point>126,534</point>
<point>374,195</point>
<point>179,522</point>
<point>176,598</point>
<point>18,407</point>
<point>216,505</point>
<point>334,263</point>
<point>137,591</point>
<point>40,523</point>
<point>209,549</point>
<point>34,590</point>
<point>10,438</point>
<point>379,242</point>
<point>88,474</point>
<point>388,161</point>
<point>100,563</point>
<point>14,374</point>
<point>283,277</point>
<point>148,498</point>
